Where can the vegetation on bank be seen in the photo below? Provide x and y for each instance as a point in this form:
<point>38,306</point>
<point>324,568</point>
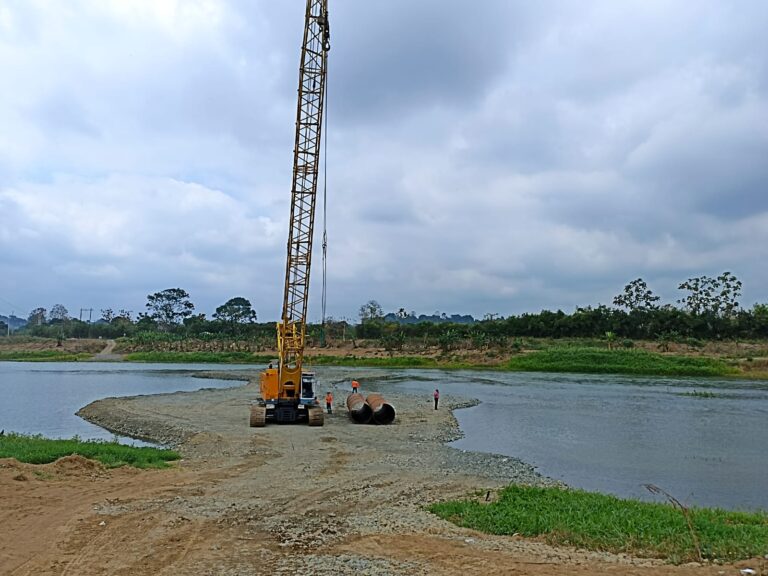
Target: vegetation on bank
<point>557,359</point>
<point>198,357</point>
<point>574,356</point>
<point>39,450</point>
<point>606,523</point>
<point>41,356</point>
<point>633,362</point>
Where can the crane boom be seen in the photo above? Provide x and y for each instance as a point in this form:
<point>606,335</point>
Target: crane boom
<point>287,393</point>
<point>306,163</point>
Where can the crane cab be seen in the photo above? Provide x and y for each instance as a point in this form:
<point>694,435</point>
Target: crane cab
<point>287,402</point>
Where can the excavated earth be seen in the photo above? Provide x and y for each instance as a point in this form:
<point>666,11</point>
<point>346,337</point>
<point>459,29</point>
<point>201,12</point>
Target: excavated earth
<point>342,499</point>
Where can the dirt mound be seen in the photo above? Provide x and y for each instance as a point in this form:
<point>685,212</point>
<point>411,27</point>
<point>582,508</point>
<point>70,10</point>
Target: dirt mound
<point>76,465</point>
<point>10,463</point>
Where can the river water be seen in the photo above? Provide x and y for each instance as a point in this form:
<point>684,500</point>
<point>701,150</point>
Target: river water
<point>603,433</point>
<point>42,397</point>
<point>616,434</point>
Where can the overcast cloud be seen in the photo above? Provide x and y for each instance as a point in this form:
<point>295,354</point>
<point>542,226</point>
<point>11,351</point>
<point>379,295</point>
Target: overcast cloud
<point>504,157</point>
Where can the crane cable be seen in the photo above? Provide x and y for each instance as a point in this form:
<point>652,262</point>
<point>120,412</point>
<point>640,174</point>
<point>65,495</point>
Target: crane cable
<point>325,189</point>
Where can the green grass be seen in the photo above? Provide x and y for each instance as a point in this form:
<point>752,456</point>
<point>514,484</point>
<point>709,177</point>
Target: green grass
<point>39,450</point>
<point>41,356</point>
<point>606,523</point>
<point>198,357</point>
<point>604,361</point>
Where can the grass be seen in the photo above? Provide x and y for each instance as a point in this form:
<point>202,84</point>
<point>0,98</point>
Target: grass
<point>606,523</point>
<point>559,358</point>
<point>39,450</point>
<point>41,356</point>
<point>198,357</point>
<point>603,361</point>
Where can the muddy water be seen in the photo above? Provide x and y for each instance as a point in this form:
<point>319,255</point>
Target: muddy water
<point>616,434</point>
<point>42,398</point>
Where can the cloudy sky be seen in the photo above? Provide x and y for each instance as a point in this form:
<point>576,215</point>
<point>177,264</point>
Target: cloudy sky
<point>504,156</point>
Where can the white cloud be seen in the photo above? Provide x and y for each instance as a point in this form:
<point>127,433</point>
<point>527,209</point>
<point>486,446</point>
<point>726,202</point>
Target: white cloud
<point>505,159</point>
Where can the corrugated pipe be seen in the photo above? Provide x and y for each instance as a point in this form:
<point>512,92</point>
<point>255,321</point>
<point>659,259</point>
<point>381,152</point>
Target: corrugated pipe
<point>359,410</point>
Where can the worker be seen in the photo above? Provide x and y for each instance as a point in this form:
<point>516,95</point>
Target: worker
<point>329,402</point>
<point>355,386</point>
<point>436,396</point>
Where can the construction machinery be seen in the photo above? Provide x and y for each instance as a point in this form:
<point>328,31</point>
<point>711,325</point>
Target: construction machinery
<point>288,394</point>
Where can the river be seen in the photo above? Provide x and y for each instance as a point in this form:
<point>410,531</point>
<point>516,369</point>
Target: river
<point>42,397</point>
<point>603,433</point>
<point>701,440</point>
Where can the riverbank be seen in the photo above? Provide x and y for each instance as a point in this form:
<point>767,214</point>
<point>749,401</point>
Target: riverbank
<point>342,499</point>
<point>748,360</point>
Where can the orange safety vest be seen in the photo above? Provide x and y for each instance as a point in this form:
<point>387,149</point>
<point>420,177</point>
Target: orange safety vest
<point>329,398</point>
<point>355,384</point>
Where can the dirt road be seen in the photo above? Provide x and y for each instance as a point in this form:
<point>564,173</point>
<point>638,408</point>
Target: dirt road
<point>342,499</point>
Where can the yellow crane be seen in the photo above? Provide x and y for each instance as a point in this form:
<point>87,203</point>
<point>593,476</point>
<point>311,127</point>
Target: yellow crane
<point>288,394</point>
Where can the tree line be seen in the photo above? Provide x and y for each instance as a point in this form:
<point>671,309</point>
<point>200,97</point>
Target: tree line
<point>707,309</point>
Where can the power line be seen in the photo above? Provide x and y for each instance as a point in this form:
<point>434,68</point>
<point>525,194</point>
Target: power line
<point>12,305</point>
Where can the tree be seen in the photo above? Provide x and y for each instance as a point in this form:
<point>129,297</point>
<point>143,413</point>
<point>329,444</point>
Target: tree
<point>58,313</point>
<point>636,296</point>
<point>37,317</point>
<point>107,314</point>
<point>169,307</point>
<point>236,311</point>
<point>716,296</point>
<point>124,314</point>
<point>371,310</point>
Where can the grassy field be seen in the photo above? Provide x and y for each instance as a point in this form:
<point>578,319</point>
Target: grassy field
<point>603,361</point>
<point>39,450</point>
<point>600,522</point>
<point>41,356</point>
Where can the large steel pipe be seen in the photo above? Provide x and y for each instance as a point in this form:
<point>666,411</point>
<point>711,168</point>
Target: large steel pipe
<point>359,410</point>
<point>383,412</point>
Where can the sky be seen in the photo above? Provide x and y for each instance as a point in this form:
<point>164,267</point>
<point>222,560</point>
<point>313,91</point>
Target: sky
<point>502,158</point>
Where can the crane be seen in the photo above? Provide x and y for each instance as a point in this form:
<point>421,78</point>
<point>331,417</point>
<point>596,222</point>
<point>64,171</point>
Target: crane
<point>287,392</point>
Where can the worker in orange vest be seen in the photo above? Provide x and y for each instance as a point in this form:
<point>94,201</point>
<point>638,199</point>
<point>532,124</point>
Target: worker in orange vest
<point>329,402</point>
<point>355,386</point>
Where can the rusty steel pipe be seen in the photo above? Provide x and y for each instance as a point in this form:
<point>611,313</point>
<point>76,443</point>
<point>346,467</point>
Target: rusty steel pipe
<point>383,412</point>
<point>359,410</point>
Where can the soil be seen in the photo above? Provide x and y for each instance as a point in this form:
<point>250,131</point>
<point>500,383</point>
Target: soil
<point>341,499</point>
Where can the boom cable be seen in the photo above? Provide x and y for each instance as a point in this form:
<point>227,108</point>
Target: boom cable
<point>325,199</point>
